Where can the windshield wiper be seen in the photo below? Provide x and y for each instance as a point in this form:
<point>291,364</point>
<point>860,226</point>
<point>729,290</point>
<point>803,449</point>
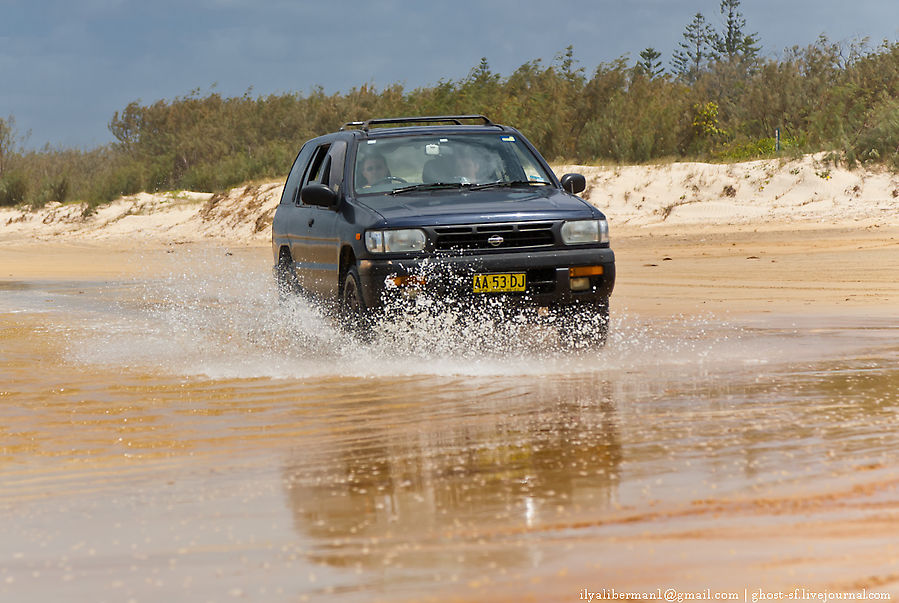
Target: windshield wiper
<point>508,183</point>
<point>430,186</point>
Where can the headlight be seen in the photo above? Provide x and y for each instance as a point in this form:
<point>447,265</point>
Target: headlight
<point>585,231</point>
<point>394,241</point>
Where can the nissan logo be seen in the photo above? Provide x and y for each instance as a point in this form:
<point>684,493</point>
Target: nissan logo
<point>495,240</point>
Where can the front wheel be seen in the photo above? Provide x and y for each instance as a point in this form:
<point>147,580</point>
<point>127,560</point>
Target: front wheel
<point>286,278</point>
<point>353,313</point>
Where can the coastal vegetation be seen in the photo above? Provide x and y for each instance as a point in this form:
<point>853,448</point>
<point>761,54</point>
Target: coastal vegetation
<point>717,99</point>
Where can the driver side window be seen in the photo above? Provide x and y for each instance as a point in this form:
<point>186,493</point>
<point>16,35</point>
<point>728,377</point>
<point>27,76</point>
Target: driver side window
<point>318,169</point>
<point>326,166</point>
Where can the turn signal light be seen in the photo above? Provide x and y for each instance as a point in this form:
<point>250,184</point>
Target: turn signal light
<point>578,271</point>
<point>408,281</point>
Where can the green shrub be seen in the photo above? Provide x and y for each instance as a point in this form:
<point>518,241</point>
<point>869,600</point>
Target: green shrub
<point>13,189</point>
<point>878,139</point>
<point>756,149</point>
<point>122,180</point>
<point>52,189</point>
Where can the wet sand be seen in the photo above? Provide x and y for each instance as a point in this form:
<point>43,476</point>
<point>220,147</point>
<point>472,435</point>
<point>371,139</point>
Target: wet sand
<point>171,432</point>
<point>784,269</point>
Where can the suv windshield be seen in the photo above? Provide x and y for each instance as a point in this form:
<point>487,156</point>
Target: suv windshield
<point>408,163</point>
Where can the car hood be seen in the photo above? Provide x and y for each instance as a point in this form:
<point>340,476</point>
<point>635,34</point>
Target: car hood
<point>434,208</point>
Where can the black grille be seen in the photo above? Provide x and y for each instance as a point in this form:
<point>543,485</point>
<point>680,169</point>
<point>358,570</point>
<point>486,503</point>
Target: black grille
<point>513,236</point>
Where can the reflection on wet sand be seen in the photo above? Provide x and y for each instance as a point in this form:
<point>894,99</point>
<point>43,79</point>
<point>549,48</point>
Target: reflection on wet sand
<point>384,492</point>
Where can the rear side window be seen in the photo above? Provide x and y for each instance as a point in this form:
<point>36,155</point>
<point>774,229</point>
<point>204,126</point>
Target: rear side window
<point>292,187</point>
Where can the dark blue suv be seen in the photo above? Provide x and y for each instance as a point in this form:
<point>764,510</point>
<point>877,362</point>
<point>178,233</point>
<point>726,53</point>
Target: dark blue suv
<point>456,205</point>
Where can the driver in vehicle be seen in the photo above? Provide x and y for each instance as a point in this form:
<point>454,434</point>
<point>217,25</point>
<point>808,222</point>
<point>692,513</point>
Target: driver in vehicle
<point>374,169</point>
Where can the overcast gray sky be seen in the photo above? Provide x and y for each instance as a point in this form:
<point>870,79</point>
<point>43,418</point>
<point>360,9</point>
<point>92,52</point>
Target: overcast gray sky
<point>66,66</point>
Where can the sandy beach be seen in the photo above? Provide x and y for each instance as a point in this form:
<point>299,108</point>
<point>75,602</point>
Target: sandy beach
<point>166,437</point>
<point>751,237</point>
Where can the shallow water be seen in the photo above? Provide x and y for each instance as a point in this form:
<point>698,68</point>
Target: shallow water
<point>190,437</point>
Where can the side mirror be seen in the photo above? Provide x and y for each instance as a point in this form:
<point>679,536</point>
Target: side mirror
<point>319,195</point>
<point>574,183</point>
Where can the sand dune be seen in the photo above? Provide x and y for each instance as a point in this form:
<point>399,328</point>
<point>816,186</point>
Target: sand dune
<point>756,192</point>
<point>753,194</point>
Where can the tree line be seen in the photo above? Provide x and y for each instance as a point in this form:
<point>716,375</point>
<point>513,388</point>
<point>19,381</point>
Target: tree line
<point>719,99</point>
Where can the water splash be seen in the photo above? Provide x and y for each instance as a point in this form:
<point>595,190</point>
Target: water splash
<point>219,315</point>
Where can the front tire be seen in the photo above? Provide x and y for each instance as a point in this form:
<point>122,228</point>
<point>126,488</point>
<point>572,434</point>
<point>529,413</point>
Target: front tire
<point>353,313</point>
<point>285,277</point>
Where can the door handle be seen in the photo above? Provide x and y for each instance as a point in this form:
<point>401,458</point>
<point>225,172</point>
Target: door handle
<point>311,221</point>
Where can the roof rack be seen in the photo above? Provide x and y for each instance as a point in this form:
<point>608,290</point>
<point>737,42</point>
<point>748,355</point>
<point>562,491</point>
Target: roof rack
<point>450,119</point>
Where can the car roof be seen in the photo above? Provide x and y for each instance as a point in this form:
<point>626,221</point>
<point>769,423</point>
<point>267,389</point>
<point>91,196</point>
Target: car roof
<point>418,130</point>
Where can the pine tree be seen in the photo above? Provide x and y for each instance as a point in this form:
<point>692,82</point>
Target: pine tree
<point>650,63</point>
<point>697,49</point>
<point>482,73</point>
<point>734,44</point>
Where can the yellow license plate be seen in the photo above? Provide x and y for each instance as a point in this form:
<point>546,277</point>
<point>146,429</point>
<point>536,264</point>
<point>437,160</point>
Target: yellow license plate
<point>499,283</point>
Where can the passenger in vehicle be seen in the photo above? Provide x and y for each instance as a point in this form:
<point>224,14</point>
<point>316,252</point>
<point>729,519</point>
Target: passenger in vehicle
<point>462,167</point>
<point>438,169</point>
<point>467,168</point>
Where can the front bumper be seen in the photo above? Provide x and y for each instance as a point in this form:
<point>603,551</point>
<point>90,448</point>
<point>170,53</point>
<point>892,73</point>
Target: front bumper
<point>548,280</point>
